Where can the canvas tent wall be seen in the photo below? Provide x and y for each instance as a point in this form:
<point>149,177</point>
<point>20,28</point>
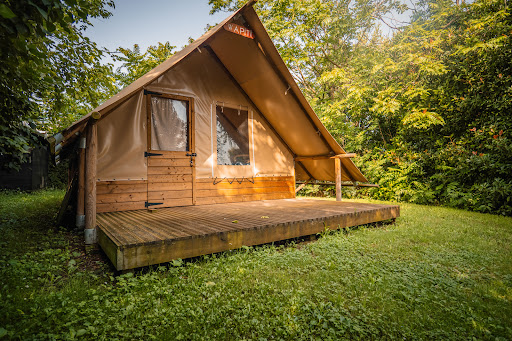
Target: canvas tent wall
<point>122,135</point>
<point>286,140</point>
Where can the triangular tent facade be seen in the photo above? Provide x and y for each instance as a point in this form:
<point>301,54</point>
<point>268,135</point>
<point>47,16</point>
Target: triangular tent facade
<point>223,111</point>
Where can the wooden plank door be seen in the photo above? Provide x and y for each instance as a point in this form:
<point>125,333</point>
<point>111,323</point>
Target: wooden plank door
<point>170,155</point>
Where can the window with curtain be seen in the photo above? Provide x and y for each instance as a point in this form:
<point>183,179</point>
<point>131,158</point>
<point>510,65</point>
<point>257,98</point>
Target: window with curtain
<point>169,124</point>
<point>232,136</point>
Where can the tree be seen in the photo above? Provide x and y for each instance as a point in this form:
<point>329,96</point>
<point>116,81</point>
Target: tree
<point>136,64</point>
<point>50,72</point>
<point>428,108</point>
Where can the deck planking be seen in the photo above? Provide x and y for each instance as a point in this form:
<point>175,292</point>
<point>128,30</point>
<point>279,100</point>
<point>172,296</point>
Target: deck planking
<point>133,239</point>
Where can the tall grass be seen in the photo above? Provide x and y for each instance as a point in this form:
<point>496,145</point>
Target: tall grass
<point>437,273</point>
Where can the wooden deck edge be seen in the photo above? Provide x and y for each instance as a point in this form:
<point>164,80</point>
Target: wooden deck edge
<point>165,251</point>
<point>111,249</point>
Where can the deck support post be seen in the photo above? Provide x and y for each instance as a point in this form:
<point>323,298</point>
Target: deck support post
<point>90,183</point>
<point>337,166</point>
<point>80,204</point>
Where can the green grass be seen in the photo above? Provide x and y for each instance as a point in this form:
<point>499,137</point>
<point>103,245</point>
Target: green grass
<point>437,274</point>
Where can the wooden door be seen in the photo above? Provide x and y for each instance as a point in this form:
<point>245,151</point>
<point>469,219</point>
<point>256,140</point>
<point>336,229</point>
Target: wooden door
<point>170,155</point>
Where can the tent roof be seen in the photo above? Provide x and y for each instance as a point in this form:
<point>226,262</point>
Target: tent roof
<point>280,70</point>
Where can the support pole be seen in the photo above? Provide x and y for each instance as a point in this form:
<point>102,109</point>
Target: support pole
<point>90,183</point>
<point>337,166</point>
<point>80,203</point>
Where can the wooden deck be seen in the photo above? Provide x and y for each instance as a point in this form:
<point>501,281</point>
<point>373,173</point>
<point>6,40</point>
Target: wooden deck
<point>134,239</point>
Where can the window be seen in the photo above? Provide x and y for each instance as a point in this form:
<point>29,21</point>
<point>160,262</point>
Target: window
<point>169,128</point>
<point>232,136</point>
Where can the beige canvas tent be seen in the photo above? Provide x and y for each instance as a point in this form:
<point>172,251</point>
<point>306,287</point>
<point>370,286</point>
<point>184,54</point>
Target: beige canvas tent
<point>220,121</point>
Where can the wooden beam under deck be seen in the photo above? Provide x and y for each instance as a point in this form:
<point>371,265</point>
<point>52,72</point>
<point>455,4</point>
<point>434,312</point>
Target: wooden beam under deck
<point>140,238</point>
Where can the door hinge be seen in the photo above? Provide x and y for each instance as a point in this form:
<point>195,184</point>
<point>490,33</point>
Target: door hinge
<point>192,155</point>
<point>147,204</point>
<point>149,92</point>
<point>146,154</point>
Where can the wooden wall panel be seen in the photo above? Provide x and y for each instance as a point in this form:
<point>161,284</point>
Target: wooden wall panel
<point>154,162</point>
<point>264,188</point>
<point>129,186</point>
<point>171,188</point>
<point>120,206</point>
<point>126,195</point>
<point>171,194</point>
<point>171,178</point>
<point>169,170</point>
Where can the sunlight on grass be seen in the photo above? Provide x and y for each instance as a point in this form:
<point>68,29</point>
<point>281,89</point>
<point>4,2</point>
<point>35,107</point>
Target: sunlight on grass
<point>437,273</point>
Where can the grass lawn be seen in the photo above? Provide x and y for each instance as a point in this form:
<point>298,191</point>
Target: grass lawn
<point>438,273</point>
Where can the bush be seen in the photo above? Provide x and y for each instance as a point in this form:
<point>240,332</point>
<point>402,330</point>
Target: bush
<point>472,173</point>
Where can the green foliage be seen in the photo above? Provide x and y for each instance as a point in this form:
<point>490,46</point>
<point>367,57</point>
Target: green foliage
<point>58,175</point>
<point>50,72</point>
<point>322,191</point>
<point>428,108</point>
<point>472,173</point>
<point>15,144</point>
<point>438,273</point>
<point>464,160</point>
<point>136,64</point>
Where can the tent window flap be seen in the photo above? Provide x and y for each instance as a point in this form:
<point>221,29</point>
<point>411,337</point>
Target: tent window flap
<point>232,136</point>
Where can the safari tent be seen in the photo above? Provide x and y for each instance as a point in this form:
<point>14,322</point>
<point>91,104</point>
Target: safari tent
<point>219,123</point>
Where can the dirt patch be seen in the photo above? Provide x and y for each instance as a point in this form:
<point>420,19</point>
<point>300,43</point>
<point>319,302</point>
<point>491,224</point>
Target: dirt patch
<point>88,258</point>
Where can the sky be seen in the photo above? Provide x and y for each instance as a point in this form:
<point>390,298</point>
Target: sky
<point>151,21</point>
